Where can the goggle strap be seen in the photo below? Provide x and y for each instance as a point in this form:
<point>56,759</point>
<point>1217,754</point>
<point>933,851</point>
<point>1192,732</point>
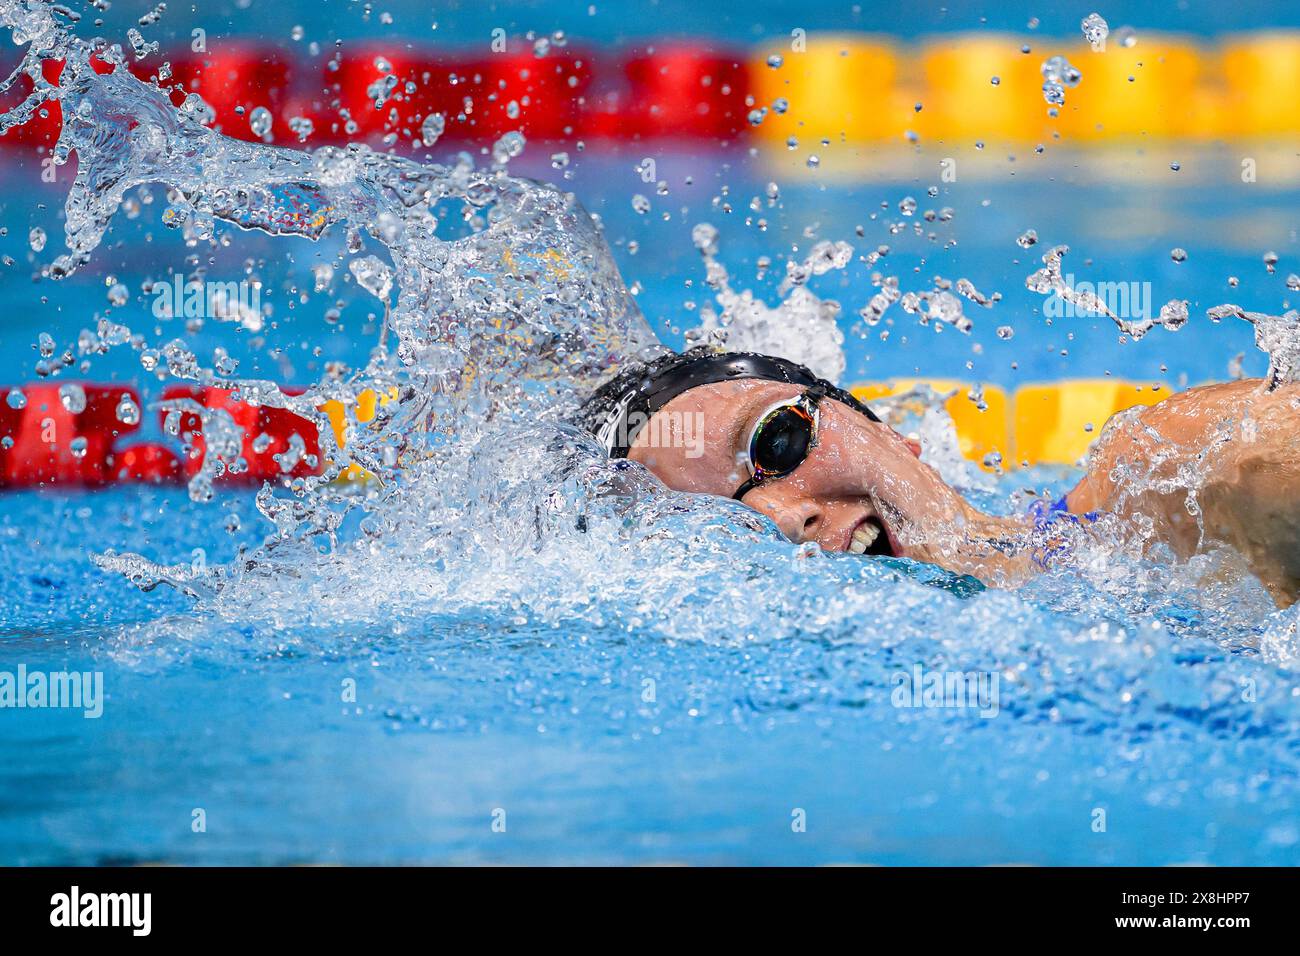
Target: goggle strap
<point>644,397</point>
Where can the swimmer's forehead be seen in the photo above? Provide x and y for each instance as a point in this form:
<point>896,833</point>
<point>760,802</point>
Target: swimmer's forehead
<point>729,407</point>
<point>733,398</point>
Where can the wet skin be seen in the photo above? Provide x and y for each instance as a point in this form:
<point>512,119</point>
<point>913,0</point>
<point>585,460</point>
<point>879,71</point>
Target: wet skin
<point>1243,443</point>
<point>864,475</point>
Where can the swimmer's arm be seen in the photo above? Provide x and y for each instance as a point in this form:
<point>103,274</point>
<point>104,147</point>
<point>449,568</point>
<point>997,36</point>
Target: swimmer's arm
<point>1238,446</point>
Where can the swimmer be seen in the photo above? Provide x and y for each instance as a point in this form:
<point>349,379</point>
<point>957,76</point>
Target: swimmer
<point>823,467</point>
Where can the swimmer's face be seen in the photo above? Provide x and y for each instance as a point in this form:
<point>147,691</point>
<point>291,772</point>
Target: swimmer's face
<point>860,489</point>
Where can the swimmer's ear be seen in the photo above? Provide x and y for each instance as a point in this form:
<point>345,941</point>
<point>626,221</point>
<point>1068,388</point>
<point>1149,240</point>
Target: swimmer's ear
<point>914,445</point>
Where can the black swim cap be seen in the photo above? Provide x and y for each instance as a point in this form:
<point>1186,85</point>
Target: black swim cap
<point>620,408</point>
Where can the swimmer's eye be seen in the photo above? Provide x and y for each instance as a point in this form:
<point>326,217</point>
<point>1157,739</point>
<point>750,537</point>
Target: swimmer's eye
<point>781,439</point>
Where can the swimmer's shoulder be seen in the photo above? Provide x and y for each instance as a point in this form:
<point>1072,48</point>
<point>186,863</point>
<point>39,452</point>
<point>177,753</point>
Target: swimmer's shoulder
<point>1231,419</point>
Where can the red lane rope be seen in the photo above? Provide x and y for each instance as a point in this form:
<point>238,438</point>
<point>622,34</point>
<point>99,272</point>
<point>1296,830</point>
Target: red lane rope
<point>681,90</point>
<point>268,434</point>
<point>44,444</point>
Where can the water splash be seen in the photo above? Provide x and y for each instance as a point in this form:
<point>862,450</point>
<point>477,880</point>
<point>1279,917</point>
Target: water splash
<point>1049,281</point>
<point>802,327</point>
<point>1277,336</point>
<point>511,315</point>
<point>495,316</point>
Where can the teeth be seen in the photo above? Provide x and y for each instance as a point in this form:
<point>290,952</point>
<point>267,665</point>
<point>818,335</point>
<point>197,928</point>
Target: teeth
<point>863,538</point>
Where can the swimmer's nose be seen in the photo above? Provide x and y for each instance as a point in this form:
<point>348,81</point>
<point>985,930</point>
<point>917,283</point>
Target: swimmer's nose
<point>799,520</point>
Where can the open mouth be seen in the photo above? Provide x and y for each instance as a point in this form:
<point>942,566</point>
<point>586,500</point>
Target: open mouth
<point>870,537</point>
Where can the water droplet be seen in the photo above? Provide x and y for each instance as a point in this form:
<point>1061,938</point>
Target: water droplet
<point>372,275</point>
<point>139,46</point>
<point>508,147</point>
<point>1058,70</point>
<point>128,412</point>
<point>1178,254</point>
<point>302,127</point>
<point>1173,314</point>
<point>1057,75</point>
<point>36,238</point>
<point>16,399</point>
<point>1027,238</point>
<point>381,89</point>
<point>72,397</point>
<point>260,122</point>
<point>775,61</point>
<point>323,273</point>
<point>1095,30</point>
<point>433,126</point>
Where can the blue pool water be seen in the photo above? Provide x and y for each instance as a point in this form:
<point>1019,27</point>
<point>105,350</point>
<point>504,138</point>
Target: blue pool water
<point>772,684</point>
<point>531,700</point>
